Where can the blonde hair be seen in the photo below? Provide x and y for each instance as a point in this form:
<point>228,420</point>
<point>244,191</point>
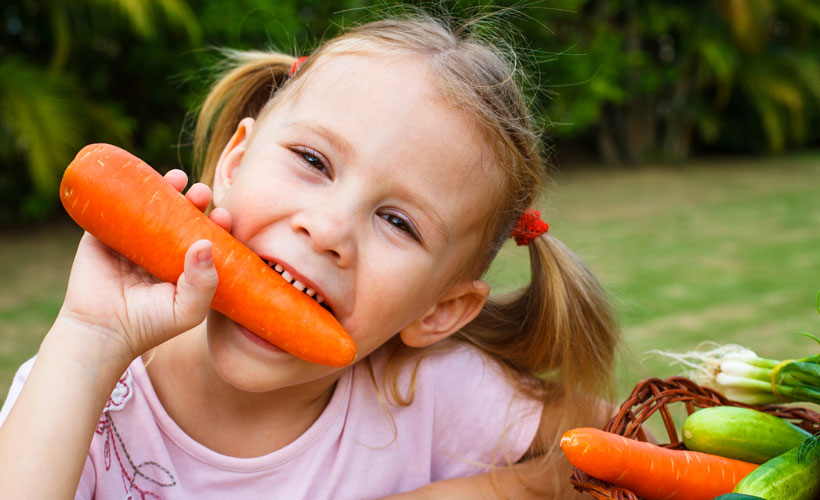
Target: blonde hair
<point>557,336</point>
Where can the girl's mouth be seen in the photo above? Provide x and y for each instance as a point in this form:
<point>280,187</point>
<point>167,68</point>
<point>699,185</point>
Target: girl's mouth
<point>299,285</point>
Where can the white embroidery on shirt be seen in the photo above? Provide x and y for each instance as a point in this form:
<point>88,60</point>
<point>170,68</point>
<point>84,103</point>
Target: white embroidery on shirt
<point>121,394</point>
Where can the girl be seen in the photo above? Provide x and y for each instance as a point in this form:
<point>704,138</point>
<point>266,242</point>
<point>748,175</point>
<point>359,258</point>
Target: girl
<point>381,176</point>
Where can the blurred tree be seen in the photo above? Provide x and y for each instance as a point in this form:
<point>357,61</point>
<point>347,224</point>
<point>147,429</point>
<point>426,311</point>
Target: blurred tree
<point>652,78</point>
<point>779,68</point>
<point>46,112</point>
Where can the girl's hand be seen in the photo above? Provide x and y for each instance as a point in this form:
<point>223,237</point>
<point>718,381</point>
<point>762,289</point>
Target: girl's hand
<point>124,309</point>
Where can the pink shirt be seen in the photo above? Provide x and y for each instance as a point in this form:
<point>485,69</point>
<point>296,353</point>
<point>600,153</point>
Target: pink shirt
<point>465,415</point>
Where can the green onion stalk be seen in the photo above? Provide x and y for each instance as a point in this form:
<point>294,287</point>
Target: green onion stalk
<point>740,374</point>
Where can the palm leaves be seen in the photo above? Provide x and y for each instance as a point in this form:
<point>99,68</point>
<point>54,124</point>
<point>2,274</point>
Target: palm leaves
<point>142,14</point>
<point>45,116</point>
<point>687,68</point>
<point>40,119</point>
<point>779,90</point>
<point>781,80</point>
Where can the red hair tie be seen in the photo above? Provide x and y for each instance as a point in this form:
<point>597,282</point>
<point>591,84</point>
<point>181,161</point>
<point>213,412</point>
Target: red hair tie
<point>529,227</point>
<point>296,64</point>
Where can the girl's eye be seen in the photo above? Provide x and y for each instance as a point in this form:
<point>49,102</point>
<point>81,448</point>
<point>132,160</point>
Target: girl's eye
<point>313,159</point>
<point>401,225</point>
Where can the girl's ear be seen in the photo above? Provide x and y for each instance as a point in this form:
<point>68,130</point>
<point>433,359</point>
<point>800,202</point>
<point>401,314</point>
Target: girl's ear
<point>447,316</point>
<point>228,164</point>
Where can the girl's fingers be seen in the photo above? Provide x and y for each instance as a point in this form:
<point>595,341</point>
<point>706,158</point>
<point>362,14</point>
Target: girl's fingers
<point>196,286</point>
<point>177,178</point>
<point>222,217</point>
<point>200,195</point>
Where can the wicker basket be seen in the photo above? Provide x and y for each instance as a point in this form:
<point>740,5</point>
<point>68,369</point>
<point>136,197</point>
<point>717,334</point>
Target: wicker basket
<point>656,395</point>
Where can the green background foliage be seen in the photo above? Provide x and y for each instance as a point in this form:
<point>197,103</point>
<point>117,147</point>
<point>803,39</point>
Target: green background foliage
<point>618,80</point>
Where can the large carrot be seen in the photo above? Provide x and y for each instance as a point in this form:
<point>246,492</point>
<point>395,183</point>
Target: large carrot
<point>650,471</point>
<point>130,207</point>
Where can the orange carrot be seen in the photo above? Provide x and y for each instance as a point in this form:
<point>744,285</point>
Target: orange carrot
<point>130,207</point>
<point>650,471</point>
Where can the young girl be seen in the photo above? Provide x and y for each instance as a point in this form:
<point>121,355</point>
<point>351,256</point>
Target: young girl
<point>381,176</point>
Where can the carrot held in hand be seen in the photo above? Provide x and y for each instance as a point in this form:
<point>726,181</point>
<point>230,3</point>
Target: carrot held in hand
<point>650,471</point>
<point>130,207</point>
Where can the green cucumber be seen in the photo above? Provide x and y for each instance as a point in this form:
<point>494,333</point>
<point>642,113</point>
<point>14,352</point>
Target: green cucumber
<point>737,496</point>
<point>790,476</point>
<point>740,433</point>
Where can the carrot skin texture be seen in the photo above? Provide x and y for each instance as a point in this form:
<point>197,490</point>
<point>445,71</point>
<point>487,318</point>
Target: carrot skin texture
<point>130,207</point>
<point>652,472</point>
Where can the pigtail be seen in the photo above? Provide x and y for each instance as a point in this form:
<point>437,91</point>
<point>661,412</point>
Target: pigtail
<point>560,328</point>
<point>243,90</point>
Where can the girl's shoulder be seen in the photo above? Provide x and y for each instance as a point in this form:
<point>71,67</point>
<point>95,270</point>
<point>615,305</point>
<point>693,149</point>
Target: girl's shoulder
<point>453,368</point>
<point>465,378</point>
<point>459,400</point>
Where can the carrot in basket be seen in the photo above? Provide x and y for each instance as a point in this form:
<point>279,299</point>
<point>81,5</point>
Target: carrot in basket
<point>650,471</point>
<point>130,207</point>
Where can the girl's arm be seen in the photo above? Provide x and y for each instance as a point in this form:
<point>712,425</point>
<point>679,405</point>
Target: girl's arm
<point>46,437</point>
<point>524,481</point>
<point>112,313</point>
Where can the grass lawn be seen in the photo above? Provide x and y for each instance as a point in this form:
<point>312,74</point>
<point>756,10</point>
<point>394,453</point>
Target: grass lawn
<point>727,251</point>
<point>34,268</point>
<point>722,250</point>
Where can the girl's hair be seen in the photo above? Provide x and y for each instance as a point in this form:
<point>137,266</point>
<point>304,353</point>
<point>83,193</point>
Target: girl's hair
<point>560,328</point>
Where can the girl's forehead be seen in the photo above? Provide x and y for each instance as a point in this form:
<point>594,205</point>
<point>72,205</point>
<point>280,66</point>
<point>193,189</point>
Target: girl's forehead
<point>387,97</point>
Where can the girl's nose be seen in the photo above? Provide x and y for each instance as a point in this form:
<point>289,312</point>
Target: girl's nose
<point>330,230</point>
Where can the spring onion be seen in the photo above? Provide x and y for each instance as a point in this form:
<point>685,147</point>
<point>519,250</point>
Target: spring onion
<point>740,374</point>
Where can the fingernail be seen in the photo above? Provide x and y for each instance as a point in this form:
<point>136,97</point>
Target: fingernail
<point>204,257</point>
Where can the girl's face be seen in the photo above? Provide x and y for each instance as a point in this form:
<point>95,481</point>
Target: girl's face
<point>369,189</point>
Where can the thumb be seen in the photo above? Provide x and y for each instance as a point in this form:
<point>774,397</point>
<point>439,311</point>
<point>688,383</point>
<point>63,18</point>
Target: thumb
<point>196,286</point>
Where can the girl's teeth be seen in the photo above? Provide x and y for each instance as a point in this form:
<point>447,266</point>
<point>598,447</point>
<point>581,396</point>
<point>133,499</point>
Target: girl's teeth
<point>298,284</point>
